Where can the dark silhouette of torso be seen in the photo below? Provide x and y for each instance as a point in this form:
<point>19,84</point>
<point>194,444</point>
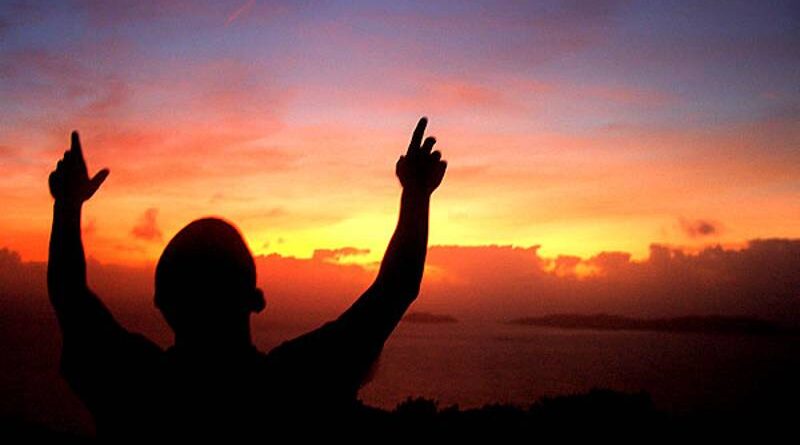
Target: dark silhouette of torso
<point>134,388</point>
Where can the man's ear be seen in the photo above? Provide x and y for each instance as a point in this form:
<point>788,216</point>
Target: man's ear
<point>257,303</point>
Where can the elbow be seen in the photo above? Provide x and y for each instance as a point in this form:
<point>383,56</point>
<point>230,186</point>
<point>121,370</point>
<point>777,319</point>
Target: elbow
<point>404,290</point>
<point>408,292</point>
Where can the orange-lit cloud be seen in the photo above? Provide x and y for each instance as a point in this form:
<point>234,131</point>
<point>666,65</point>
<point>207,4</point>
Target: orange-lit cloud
<point>337,254</point>
<point>494,283</point>
<point>147,227</point>
<point>699,228</point>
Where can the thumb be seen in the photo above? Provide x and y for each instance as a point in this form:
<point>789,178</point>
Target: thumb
<point>98,180</point>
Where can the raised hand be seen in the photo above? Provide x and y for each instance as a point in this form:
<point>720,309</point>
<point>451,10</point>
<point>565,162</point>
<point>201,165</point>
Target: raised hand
<point>421,169</point>
<point>70,182</point>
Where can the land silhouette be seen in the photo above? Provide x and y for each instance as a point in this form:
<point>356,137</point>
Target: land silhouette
<point>691,324</point>
<point>429,318</point>
<point>213,382</point>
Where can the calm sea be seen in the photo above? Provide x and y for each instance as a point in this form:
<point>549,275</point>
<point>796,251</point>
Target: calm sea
<point>474,364</point>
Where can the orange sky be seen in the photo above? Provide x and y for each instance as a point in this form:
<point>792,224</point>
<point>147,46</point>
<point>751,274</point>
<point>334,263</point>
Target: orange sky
<point>578,129</point>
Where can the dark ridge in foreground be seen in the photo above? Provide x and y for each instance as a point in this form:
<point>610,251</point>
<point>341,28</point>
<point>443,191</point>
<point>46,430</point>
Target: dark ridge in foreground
<point>424,416</point>
<point>597,413</point>
<point>698,324</point>
<point>430,318</point>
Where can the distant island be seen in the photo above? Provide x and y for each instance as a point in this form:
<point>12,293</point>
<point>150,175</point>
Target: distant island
<point>429,318</point>
<point>699,324</point>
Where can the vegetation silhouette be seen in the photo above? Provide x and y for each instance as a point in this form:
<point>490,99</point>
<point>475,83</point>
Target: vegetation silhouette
<point>213,382</point>
<point>599,411</point>
<point>598,414</point>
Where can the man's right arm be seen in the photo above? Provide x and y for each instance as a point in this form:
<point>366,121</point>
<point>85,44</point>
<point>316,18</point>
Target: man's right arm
<point>96,349</point>
<point>80,313</point>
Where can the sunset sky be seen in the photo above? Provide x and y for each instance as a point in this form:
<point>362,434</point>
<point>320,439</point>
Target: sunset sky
<point>582,127</point>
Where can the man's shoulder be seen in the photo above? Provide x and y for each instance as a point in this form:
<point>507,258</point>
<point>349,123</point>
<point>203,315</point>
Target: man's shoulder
<point>132,348</point>
<point>142,343</point>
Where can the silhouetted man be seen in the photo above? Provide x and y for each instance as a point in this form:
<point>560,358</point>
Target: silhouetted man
<point>212,381</point>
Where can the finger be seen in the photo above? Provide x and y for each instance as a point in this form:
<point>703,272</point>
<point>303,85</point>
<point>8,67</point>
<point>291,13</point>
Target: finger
<point>436,156</point>
<point>53,181</point>
<point>427,146</point>
<point>416,138</point>
<point>75,147</point>
<point>98,180</point>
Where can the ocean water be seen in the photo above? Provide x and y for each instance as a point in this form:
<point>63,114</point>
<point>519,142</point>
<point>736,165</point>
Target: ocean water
<point>472,364</point>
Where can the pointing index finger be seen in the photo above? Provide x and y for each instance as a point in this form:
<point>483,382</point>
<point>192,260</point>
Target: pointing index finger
<point>76,145</point>
<point>416,138</point>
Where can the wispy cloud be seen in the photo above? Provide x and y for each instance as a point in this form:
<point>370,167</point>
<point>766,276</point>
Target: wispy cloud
<point>239,11</point>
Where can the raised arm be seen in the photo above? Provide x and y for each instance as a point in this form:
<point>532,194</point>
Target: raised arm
<point>397,285</point>
<point>346,348</point>
<point>100,359</point>
<point>77,308</point>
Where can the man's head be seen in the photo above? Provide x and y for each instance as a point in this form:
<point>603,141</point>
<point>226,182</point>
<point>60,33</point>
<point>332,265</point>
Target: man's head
<point>206,280</point>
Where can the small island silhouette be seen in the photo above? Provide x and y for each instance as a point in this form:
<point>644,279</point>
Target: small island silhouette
<point>714,324</point>
<point>429,318</point>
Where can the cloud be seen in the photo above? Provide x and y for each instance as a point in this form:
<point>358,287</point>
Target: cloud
<point>147,227</point>
<point>89,227</point>
<point>496,282</point>
<point>333,255</point>
<point>566,265</point>
<point>490,283</point>
<point>699,228</point>
<point>150,122</point>
<point>239,11</point>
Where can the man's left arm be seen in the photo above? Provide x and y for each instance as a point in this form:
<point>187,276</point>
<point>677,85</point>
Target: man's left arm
<point>346,348</point>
